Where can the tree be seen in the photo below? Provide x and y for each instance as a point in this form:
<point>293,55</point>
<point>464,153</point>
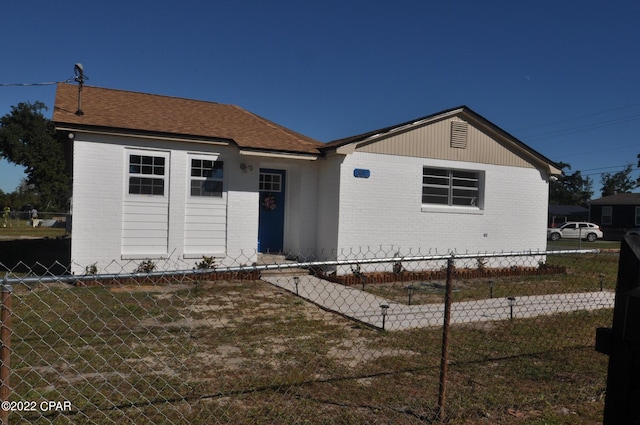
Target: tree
<point>620,182</point>
<point>570,189</point>
<point>29,139</point>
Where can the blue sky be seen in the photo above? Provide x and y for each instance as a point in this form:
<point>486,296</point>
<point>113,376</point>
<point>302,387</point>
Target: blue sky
<point>561,76</point>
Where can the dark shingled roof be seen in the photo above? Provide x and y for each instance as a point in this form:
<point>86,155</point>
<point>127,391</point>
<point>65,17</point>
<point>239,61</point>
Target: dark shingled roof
<point>567,210</point>
<point>618,199</point>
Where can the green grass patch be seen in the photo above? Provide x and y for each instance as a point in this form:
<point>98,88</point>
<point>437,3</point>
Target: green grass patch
<point>577,244</point>
<point>17,232</point>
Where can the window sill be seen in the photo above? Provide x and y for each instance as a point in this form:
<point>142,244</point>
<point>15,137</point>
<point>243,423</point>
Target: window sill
<point>144,257</point>
<point>451,210</point>
<point>200,256</point>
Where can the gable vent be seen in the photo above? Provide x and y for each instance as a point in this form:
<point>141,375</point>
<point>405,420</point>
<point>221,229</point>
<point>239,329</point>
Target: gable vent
<point>458,134</point>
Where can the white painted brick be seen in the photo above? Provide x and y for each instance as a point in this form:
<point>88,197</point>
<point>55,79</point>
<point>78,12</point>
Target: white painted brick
<point>99,189</point>
<point>328,210</point>
<point>384,211</point>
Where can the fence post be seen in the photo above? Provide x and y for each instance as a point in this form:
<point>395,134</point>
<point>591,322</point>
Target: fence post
<point>444,358</point>
<point>5,346</point>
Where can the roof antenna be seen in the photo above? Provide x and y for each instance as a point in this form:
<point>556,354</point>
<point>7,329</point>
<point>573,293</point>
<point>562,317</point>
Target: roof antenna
<point>79,71</point>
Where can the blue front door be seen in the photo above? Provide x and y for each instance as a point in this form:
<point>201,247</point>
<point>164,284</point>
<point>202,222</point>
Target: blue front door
<point>271,217</point>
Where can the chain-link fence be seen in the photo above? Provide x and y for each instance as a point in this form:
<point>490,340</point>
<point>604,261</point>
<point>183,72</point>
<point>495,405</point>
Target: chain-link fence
<point>490,338</point>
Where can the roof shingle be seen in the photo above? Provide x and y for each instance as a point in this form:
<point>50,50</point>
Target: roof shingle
<point>148,113</point>
<point>618,199</point>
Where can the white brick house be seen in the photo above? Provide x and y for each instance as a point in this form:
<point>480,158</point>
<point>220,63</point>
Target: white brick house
<point>173,180</point>
<point>449,182</point>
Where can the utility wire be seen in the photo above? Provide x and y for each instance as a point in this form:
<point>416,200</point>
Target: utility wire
<point>578,128</point>
<point>580,117</point>
<point>50,83</point>
<point>607,172</point>
<point>585,127</point>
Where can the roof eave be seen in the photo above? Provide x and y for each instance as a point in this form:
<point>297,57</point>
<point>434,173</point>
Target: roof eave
<point>351,144</point>
<point>535,157</point>
<point>141,134</point>
<point>279,154</point>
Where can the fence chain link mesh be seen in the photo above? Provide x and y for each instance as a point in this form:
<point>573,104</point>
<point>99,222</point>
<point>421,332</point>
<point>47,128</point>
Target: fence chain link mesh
<point>349,341</point>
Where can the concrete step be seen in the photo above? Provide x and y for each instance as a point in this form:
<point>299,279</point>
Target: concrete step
<point>278,259</point>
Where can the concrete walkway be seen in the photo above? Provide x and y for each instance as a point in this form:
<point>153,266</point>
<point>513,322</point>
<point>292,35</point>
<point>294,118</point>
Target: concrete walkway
<point>365,307</point>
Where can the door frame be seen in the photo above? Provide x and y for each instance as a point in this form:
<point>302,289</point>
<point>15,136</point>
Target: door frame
<point>272,212</point>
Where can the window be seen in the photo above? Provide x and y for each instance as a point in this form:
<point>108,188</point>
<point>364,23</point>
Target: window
<point>270,182</point>
<point>450,187</point>
<point>207,177</point>
<point>147,174</point>
<point>607,215</point>
<point>637,216</point>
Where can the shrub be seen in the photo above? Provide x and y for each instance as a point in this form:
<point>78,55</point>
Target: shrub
<point>147,266</point>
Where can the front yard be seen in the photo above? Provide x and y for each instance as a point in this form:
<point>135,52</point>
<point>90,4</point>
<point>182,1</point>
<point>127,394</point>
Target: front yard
<point>248,352</point>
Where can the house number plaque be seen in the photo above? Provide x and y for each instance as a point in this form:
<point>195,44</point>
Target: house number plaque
<point>361,173</point>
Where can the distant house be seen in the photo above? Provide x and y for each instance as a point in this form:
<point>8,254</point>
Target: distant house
<point>173,180</point>
<point>616,213</point>
<point>559,214</point>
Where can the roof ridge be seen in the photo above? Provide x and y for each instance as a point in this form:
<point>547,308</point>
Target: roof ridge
<point>275,125</point>
<point>365,135</point>
<point>186,99</point>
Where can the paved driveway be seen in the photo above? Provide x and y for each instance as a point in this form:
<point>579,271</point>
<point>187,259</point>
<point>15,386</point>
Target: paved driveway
<point>365,307</point>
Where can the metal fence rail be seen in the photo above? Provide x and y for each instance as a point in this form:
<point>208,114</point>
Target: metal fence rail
<point>401,339</point>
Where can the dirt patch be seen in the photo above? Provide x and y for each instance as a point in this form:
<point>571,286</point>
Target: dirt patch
<point>149,288</point>
<point>354,352</point>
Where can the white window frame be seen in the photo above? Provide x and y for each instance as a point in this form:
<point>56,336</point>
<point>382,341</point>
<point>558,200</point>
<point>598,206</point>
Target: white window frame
<point>607,218</point>
<point>262,184</point>
<point>147,171</point>
<point>443,181</point>
<point>137,205</point>
<point>191,178</point>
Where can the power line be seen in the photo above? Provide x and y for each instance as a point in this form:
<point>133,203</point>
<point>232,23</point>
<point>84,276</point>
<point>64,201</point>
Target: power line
<point>590,125</point>
<point>580,117</point>
<point>610,166</point>
<point>50,83</point>
<point>585,127</point>
<point>611,169</point>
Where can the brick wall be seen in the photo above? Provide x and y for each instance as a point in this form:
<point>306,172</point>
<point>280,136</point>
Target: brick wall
<point>384,212</point>
<point>99,193</point>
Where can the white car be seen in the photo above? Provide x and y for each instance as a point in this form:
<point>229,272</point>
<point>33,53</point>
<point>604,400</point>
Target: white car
<point>575,230</point>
